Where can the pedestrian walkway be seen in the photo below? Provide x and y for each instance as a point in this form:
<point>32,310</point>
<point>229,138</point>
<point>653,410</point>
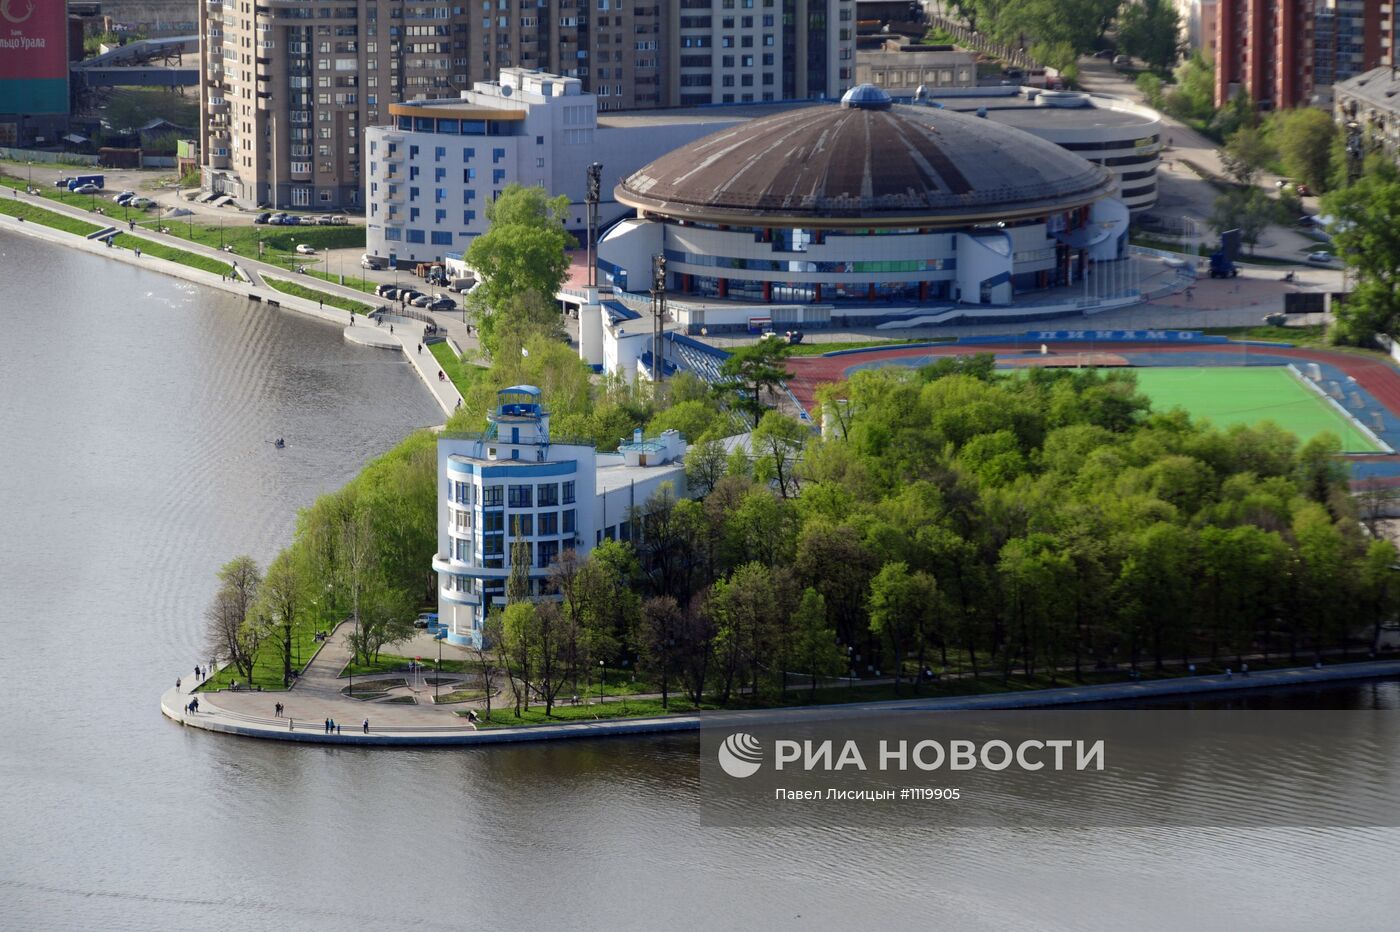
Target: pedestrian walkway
<point>407,725</point>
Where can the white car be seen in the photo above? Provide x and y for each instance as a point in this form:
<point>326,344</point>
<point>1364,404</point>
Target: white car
<point>123,197</point>
<point>140,202</point>
<point>306,250</point>
<point>1320,258</point>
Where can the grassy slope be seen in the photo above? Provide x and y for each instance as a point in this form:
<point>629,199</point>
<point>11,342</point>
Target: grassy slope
<point>174,254</point>
<point>48,218</point>
<point>311,294</point>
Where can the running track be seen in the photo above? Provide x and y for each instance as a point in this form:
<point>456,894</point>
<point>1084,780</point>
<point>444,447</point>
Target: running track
<point>1376,377</point>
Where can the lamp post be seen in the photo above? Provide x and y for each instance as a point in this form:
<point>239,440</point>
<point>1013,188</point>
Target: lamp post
<point>602,682</point>
<point>595,185</point>
<point>658,310</point>
<point>29,185</point>
<point>437,674</point>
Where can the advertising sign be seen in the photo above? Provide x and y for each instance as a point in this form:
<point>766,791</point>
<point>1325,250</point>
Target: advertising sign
<point>34,56</point>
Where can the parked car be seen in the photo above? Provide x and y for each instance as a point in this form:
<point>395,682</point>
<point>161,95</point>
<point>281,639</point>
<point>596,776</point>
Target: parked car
<point>368,261</point>
<point>277,219</point>
<point>324,220</point>
<point>1321,257</point>
<point>1122,61</point>
<point>340,220</point>
<point>141,202</point>
<point>263,217</point>
<point>62,182</point>
<point>390,293</point>
<point>408,295</point>
<point>305,250</point>
<point>442,303</point>
<point>87,189</point>
<point>423,300</point>
<point>293,220</point>
<point>1106,54</point>
<point>123,197</point>
<point>381,290</point>
<point>423,620</point>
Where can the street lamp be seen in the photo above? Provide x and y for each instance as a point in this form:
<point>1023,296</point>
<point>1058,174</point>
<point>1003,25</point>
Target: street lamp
<point>595,186</point>
<point>437,674</point>
<point>603,682</point>
<point>29,185</point>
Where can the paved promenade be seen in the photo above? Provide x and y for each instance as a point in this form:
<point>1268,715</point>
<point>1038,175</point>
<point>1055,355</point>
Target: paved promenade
<point>392,726</point>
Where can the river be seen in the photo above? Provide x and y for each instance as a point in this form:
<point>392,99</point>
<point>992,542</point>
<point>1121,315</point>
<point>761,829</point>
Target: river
<point>134,460</point>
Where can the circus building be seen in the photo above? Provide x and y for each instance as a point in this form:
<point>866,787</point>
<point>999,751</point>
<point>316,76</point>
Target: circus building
<point>853,209</point>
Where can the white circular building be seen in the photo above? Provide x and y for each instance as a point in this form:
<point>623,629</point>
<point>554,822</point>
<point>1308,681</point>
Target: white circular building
<point>862,204</point>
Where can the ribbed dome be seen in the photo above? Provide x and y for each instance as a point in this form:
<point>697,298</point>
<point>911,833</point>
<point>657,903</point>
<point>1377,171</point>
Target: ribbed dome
<point>858,166</point>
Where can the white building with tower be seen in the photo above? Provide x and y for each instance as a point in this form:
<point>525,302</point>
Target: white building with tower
<point>515,483</point>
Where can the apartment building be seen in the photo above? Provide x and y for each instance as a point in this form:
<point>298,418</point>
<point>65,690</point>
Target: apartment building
<point>1265,47</point>
<point>745,51</point>
<point>1352,37</point>
<point>288,87</point>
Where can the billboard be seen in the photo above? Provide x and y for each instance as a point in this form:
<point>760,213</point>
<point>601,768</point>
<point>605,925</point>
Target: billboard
<point>34,56</point>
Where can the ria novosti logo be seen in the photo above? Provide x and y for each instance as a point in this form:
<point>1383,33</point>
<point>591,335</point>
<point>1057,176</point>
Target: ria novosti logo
<point>741,755</point>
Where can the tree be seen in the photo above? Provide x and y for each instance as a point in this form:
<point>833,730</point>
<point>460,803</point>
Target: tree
<point>485,651</point>
<point>1249,210</point>
<point>814,639</point>
<point>387,617</point>
<point>1151,30</point>
<point>1367,236</point>
<point>1194,95</point>
<point>704,465</point>
<point>1246,153</point>
<point>751,370</point>
<point>226,631</point>
<point>279,598</point>
<point>1150,87</point>
<point>693,419</point>
<point>660,639</point>
<point>902,606</point>
<point>745,607</point>
<point>1304,140</point>
<point>518,648</point>
<point>522,252</point>
<point>777,444</point>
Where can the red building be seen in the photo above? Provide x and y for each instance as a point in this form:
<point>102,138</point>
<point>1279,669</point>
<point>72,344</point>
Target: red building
<point>1266,48</point>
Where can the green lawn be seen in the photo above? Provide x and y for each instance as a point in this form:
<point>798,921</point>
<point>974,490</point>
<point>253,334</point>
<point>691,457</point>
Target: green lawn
<point>312,294</point>
<point>817,349</point>
<point>1249,395</point>
<point>267,666</point>
<point>393,663</point>
<point>278,243</point>
<point>463,374</point>
<point>172,253</point>
<point>35,214</point>
<point>1311,335</point>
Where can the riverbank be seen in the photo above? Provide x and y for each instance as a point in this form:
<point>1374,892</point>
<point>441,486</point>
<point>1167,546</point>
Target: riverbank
<point>391,727</point>
<point>443,392</point>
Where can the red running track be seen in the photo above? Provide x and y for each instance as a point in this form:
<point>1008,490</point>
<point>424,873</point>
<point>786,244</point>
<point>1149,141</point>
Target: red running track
<point>1377,377</point>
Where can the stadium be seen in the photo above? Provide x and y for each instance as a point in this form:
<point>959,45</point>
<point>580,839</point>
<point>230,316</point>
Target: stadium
<point>863,213</point>
<point>1303,390</point>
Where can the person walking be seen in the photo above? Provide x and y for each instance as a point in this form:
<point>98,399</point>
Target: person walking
<point>366,726</point>
<point>420,349</point>
<point>337,729</point>
<point>177,682</point>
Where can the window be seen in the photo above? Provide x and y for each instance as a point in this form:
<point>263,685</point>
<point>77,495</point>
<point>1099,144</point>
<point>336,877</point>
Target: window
<point>569,525</point>
<point>493,545</point>
<point>521,496</point>
<point>492,496</point>
<point>548,495</point>
<point>522,525</point>
<point>569,492</point>
<point>414,236</point>
<point>440,238</point>
<point>549,523</point>
<point>493,521</point>
<point>548,550</point>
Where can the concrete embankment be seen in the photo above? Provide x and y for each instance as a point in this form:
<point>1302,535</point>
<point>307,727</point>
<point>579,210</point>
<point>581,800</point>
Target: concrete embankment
<point>211,718</point>
<point>444,392</point>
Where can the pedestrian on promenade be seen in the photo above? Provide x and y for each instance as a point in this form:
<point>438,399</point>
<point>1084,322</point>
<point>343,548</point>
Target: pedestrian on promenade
<point>332,726</point>
<point>391,330</point>
<point>420,349</point>
<point>352,318</point>
<point>320,304</point>
<point>366,726</point>
<point>337,729</point>
<point>177,682</point>
<point>291,724</point>
<point>327,726</point>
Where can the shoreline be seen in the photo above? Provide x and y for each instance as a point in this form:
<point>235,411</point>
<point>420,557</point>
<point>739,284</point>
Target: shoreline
<point>172,703</point>
<point>444,393</point>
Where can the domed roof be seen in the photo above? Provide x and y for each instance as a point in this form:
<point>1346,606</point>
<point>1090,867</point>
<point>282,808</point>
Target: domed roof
<point>865,163</point>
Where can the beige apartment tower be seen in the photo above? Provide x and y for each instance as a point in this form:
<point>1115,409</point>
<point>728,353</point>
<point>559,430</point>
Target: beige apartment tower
<point>289,86</point>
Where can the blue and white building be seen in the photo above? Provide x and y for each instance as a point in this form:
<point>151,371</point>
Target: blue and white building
<point>516,483</point>
<point>434,169</point>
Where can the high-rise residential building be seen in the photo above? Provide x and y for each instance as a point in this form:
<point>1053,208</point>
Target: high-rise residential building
<point>741,51</point>
<point>1352,37</point>
<point>289,86</point>
<point>1265,47</point>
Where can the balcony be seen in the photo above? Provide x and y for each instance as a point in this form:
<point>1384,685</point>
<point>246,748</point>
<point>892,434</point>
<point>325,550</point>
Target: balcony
<point>218,104</point>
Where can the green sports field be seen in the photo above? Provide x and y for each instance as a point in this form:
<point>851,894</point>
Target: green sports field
<point>1248,395</point>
